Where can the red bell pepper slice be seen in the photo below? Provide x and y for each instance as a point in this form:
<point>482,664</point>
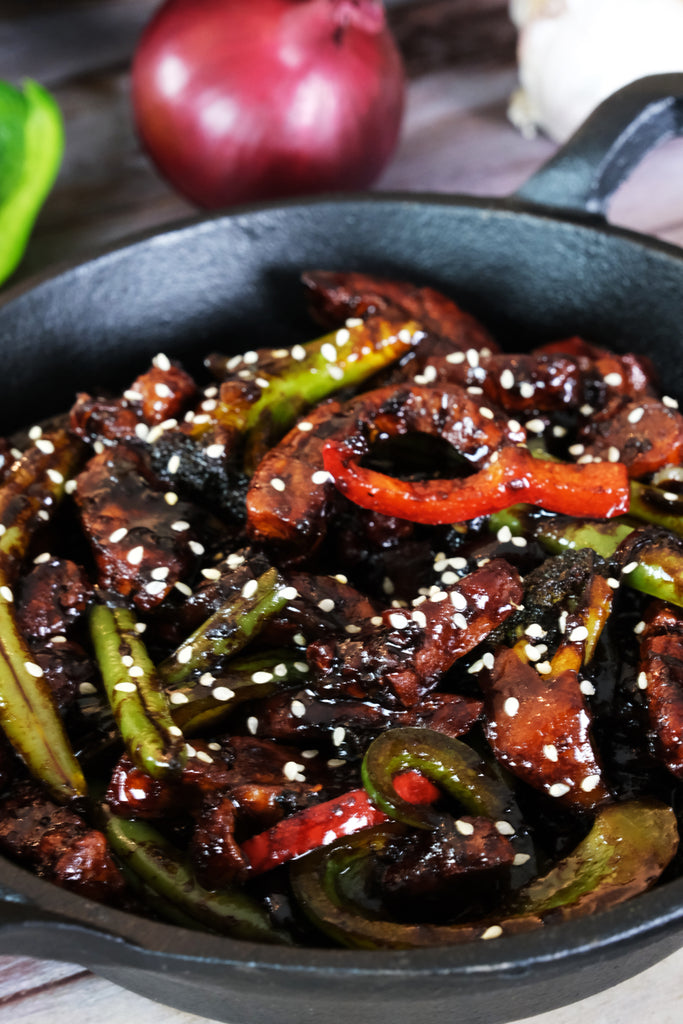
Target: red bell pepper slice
<point>321,824</point>
<point>512,474</point>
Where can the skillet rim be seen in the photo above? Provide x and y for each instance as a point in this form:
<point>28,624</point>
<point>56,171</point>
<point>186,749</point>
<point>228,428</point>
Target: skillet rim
<point>649,916</point>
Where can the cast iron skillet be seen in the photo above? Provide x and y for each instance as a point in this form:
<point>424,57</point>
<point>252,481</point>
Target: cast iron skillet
<point>538,265</point>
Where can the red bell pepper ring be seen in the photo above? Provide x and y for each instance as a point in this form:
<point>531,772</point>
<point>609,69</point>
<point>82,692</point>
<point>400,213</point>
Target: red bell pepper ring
<point>322,823</point>
<point>510,475</point>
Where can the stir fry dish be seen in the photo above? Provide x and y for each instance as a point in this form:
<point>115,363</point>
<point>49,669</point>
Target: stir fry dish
<point>374,641</point>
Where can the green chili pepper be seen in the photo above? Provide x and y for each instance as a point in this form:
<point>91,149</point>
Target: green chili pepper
<point>150,861</point>
<point>196,709</point>
<point>141,708</point>
<point>28,715</point>
<point>31,146</point>
<point>227,631</point>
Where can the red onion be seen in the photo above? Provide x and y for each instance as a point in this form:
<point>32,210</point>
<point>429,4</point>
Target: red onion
<point>247,99</point>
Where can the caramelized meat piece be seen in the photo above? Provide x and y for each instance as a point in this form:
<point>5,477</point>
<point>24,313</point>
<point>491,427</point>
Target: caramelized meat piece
<point>58,845</point>
<point>407,655</point>
<point>644,435</point>
<point>334,297</point>
<point>539,729</point>
<point>442,875</point>
<point>157,396</point>
<point>661,677</point>
<point>214,852</point>
<point>66,667</point>
<point>52,597</point>
<point>143,545</point>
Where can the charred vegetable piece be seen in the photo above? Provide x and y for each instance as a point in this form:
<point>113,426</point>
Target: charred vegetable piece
<point>321,824</point>
<point>152,862</point>
<point>657,506</point>
<point>647,559</point>
<point>643,435</point>
<point>225,633</point>
<point>661,680</point>
<point>28,714</point>
<point>138,701</point>
<point>406,656</point>
<point>625,851</point>
<point>58,844</point>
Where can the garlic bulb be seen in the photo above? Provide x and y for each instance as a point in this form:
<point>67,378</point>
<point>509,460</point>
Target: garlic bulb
<point>572,54</point>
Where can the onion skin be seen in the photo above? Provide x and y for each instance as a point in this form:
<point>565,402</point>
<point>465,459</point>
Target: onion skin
<point>236,100</point>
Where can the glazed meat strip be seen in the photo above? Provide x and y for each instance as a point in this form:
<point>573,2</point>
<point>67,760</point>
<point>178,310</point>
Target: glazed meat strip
<point>408,653</point>
<point>661,681</point>
<point>144,543</point>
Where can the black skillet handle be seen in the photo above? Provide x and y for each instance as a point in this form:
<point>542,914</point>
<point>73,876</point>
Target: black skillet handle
<point>598,158</point>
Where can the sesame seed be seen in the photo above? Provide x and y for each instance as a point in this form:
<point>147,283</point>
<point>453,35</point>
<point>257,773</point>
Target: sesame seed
<point>328,352</point>
<point>354,321</point>
<point>520,859</point>
<point>300,666</point>
<point>532,653</point>
<point>589,783</point>
<point>250,589</point>
<point>576,449</point>
<point>215,451</point>
<point>207,679</point>
<point>642,681</point>
<point>252,724</point>
<point>211,574</point>
<point>33,669</point>
<point>578,634</point>
<point>261,677</point>
<point>125,687</point>
<point>465,828</point>
<point>535,426</point>
<point>398,621</point>
<point>321,476</point>
<point>559,431</point>
<point>142,431</point>
<point>98,447</point>
<point>614,380</point>
<point>487,413</point>
<point>507,380</point>
<point>305,425</point>
<point>639,627</point>
<point>519,542</point>
<point>55,476</point>
<point>171,498</point>
<point>455,358</point>
<point>449,577</point>
<point>294,772</point>
<point>6,593</point>
<point>613,583</point>
<point>183,588</point>
<point>544,668</point>
<point>550,751</point>
<point>629,568</point>
<point>136,671</point>
<point>44,445</point>
<point>458,600</point>
<point>527,389</point>
<point>160,573</point>
<point>613,454</point>
<point>338,735</point>
<point>511,707</point>
<point>298,708</point>
<point>140,627</point>
<point>173,464</point>
<point>298,352</point>
<point>222,693</point>
<point>342,336</point>
<point>476,667</point>
<point>493,932</point>
<point>558,789</point>
<point>505,828</point>
<point>184,655</point>
<point>70,486</point>
<point>155,587</point>
<point>87,688</point>
<point>488,660</point>
<point>459,621</point>
<point>43,515</point>
<point>289,593</point>
<point>473,390</point>
<point>204,757</point>
<point>669,402</point>
<point>420,618</point>
<point>336,762</point>
<point>178,697</point>
<point>118,535</point>
<point>180,526</point>
<point>135,555</point>
<point>127,660</point>
<point>35,432</point>
<point>162,362</point>
<point>504,535</point>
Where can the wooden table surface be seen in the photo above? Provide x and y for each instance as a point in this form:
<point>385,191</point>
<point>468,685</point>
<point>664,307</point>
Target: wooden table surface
<point>460,56</point>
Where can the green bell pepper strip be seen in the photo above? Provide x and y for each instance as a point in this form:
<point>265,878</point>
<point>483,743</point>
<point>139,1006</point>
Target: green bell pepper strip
<point>138,701</point>
<point>226,632</point>
<point>449,763</point>
<point>28,715</point>
<point>31,147</point>
<point>150,861</point>
<point>625,852</point>
<point>651,505</point>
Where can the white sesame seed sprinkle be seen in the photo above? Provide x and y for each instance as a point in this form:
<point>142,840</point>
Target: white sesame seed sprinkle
<point>669,402</point>
<point>558,789</point>
<point>184,655</point>
<point>207,679</point>
<point>614,380</point>
<point>520,859</point>
<point>493,932</point>
<point>305,426</point>
<point>590,783</point>
<point>261,677</point>
<point>215,451</point>
<point>162,362</point>
<point>125,687</point>
<point>628,569</point>
<point>250,589</point>
<point>578,634</point>
<point>455,358</point>
<point>171,498</point>
<point>252,724</point>
<point>87,689</point>
<point>535,426</point>
<point>294,772</point>
<point>544,668</point>
<point>636,415</point>
<point>507,379</point>
<point>135,555</point>
<point>338,735</point>
<point>183,588</point>
<point>465,828</point>
<point>6,593</point>
<point>504,535</point>
<point>587,688</point>
<point>298,353</point>
<point>44,445</point>
<point>511,707</point>
<point>33,669</point>
<point>642,681</point>
<point>550,751</point>
<point>118,535</point>
<point>222,693</point>
<point>42,558</point>
<point>173,464</point>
